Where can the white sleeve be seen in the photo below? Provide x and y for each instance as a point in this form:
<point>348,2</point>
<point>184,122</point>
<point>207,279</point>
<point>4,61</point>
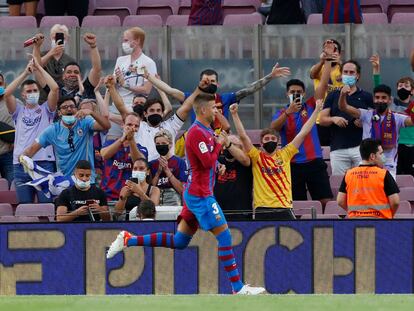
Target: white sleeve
<point>173,125</point>
<point>152,67</point>
<point>365,115</point>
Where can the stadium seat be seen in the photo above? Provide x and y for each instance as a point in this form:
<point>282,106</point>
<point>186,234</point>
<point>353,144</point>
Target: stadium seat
<point>314,19</point>
<point>402,6</point>
<point>101,21</point>
<point>68,21</point>
<point>254,136</point>
<point>27,219</point>
<point>407,193</point>
<point>403,216</point>
<point>41,210</point>
<point>374,6</point>
<point>6,209</point>
<point>335,180</point>
<point>121,8</point>
<point>335,191</point>
<point>8,218</point>
<point>404,208</point>
<point>405,181</point>
<point>164,8</point>
<point>240,7</point>
<point>4,184</point>
<point>8,22</point>
<point>305,207</point>
<point>333,208</point>
<point>375,18</point>
<point>142,21</point>
<point>177,20</point>
<point>243,19</point>
<point>323,216</point>
<point>403,18</point>
<point>8,196</point>
<point>184,8</point>
<point>329,168</point>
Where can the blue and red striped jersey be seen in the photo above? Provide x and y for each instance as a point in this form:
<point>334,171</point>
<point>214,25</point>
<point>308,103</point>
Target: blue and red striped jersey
<point>342,11</point>
<point>117,170</point>
<point>311,147</point>
<point>178,168</point>
<point>202,153</point>
<point>206,12</point>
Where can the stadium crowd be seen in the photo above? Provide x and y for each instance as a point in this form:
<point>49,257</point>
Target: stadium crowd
<point>130,154</point>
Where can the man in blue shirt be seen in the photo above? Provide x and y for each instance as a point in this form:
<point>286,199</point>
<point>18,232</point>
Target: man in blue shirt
<point>71,137</point>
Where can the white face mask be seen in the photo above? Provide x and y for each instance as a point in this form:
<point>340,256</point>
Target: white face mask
<point>140,175</point>
<point>127,48</point>
<point>32,98</point>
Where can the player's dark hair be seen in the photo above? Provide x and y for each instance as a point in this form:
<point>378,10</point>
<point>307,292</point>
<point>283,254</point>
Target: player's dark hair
<point>295,82</point>
<point>351,61</point>
<point>209,72</point>
<point>146,209</point>
<point>152,101</point>
<point>382,88</point>
<point>367,147</point>
<point>71,64</point>
<point>201,100</point>
<point>269,130</point>
<point>29,82</point>
<point>83,165</point>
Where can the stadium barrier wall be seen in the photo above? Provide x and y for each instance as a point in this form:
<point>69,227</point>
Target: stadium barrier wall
<point>304,257</point>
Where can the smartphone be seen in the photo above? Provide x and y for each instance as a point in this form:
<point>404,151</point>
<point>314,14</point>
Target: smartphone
<point>59,38</point>
<point>295,97</point>
<point>135,180</point>
<point>140,71</point>
<point>89,202</point>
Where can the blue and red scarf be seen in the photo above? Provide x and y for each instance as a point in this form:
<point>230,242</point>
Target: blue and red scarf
<point>386,131</point>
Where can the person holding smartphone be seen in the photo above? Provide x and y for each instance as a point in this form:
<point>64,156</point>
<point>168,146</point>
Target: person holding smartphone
<point>136,189</point>
<point>82,201</point>
<point>308,168</point>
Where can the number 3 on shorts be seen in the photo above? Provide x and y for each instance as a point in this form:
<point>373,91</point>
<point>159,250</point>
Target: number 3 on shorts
<point>215,208</point>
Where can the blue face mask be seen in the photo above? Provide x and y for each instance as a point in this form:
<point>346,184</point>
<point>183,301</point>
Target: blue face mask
<point>82,184</point>
<point>2,90</point>
<point>69,120</point>
<point>349,80</point>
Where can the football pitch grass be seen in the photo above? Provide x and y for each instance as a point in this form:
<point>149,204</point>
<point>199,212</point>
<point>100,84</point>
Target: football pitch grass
<point>209,302</point>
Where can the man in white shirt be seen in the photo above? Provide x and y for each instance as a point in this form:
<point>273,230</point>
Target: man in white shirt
<point>130,80</point>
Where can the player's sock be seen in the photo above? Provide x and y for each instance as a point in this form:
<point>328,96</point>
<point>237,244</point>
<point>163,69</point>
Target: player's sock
<point>161,239</point>
<point>226,256</point>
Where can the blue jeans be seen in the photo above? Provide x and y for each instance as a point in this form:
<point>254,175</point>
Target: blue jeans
<point>6,166</point>
<point>25,194</point>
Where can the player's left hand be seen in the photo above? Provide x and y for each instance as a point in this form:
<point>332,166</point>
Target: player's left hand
<point>280,72</point>
<point>234,108</point>
<point>90,39</point>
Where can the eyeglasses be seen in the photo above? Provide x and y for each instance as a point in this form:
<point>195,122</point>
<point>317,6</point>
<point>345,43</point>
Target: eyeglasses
<point>70,140</point>
<point>67,107</point>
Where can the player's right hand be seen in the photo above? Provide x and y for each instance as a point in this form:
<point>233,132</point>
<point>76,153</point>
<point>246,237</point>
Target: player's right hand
<point>339,121</point>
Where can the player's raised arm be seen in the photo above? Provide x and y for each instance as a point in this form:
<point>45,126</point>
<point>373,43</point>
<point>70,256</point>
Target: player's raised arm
<point>247,143</point>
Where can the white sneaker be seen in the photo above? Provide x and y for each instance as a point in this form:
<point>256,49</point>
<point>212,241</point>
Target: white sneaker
<point>250,290</point>
<point>119,244</point>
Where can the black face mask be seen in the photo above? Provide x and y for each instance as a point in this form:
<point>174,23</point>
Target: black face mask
<point>154,119</point>
<point>403,93</point>
<point>270,146</point>
<point>227,154</point>
<point>211,88</point>
<point>139,109</point>
<point>162,149</point>
<point>381,107</point>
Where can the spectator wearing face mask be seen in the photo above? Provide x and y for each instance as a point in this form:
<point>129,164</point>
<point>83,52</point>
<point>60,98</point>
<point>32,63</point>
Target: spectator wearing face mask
<point>71,137</point>
<point>169,171</point>
<point>381,124</point>
<point>137,189</point>
<point>30,120</point>
<point>6,137</point>
<point>83,201</point>
<point>346,131</point>
<point>307,167</point>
